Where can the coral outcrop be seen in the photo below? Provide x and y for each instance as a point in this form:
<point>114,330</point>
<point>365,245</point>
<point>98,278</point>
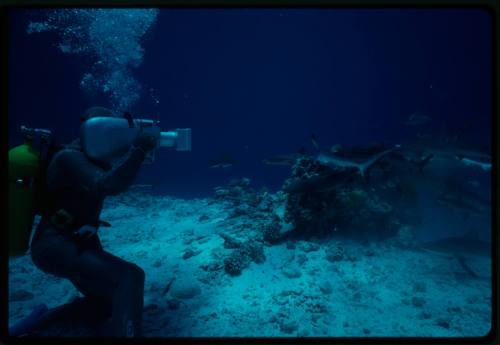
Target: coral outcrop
<point>322,201</point>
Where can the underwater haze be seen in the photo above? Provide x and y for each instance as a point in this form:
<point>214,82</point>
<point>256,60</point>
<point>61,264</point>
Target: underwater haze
<point>339,181</point>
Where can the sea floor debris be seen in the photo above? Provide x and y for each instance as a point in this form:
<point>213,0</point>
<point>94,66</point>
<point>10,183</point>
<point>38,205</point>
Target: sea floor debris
<point>313,287</point>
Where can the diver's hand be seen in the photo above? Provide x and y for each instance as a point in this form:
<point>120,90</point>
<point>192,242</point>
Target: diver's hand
<point>86,231</point>
<point>145,141</point>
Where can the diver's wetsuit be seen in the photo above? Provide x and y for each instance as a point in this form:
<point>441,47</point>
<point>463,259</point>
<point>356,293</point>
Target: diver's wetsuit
<point>79,186</point>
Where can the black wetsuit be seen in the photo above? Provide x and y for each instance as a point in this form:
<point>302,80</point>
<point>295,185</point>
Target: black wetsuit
<point>78,185</point>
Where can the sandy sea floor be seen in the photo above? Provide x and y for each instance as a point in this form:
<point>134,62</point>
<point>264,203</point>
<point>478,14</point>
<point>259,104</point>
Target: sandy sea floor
<point>379,290</point>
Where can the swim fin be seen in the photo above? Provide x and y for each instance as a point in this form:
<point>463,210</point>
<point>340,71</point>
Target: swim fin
<point>23,326</point>
<point>80,317</point>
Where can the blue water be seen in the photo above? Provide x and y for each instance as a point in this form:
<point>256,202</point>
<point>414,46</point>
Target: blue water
<point>254,83</point>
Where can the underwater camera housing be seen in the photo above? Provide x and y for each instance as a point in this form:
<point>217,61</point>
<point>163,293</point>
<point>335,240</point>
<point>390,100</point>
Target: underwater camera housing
<point>104,138</point>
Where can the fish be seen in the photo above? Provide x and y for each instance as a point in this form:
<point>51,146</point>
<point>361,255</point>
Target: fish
<point>333,160</point>
<point>417,119</point>
<point>288,159</point>
<point>225,161</point>
<point>421,135</point>
<point>358,151</point>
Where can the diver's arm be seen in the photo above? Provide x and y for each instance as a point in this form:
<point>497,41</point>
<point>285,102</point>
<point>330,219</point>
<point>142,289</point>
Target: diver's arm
<point>93,179</point>
<point>123,173</point>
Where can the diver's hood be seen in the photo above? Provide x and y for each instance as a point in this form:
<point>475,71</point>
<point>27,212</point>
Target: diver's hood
<point>106,138</point>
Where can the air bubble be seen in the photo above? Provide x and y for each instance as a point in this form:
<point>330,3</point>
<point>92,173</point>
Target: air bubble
<point>112,38</point>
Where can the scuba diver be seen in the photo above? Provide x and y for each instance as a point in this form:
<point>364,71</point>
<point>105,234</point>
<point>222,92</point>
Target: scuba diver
<point>66,244</point>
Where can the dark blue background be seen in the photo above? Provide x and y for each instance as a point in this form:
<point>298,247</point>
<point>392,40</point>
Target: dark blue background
<point>256,82</point>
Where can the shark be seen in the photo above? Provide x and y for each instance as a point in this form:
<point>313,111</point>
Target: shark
<point>334,160</point>
<point>460,248</point>
<point>459,245</point>
<point>225,161</point>
<point>417,119</point>
<point>465,245</point>
<point>288,159</point>
<point>461,154</point>
<point>451,148</point>
<point>474,163</point>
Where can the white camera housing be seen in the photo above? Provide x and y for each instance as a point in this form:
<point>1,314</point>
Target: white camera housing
<point>105,138</point>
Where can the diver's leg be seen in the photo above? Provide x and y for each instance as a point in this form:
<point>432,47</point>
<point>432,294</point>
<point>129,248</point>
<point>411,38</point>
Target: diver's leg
<point>102,306</point>
<point>128,303</point>
<point>102,275</point>
<point>113,279</point>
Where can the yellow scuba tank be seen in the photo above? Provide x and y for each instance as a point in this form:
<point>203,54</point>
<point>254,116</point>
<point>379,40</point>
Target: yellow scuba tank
<point>26,179</point>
